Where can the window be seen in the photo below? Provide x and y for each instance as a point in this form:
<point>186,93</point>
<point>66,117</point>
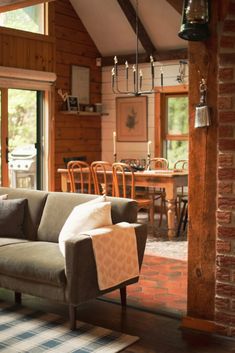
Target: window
<point>171,123</point>
<point>29,19</point>
<point>175,136</point>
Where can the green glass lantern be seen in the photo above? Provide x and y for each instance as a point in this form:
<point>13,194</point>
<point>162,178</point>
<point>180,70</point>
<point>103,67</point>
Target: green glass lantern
<point>195,19</point>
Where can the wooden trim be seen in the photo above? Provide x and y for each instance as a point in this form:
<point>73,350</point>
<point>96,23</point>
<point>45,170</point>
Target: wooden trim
<point>174,54</point>
<point>50,20</point>
<point>176,137</point>
<point>160,94</point>
<point>31,75</point>
<point>172,89</point>
<point>4,134</point>
<point>198,324</point>
<point>49,98</point>
<point>9,5</point>
<point>24,84</point>
<point>158,125</point>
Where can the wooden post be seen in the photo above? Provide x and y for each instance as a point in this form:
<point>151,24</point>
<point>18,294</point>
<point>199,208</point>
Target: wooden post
<point>203,178</point>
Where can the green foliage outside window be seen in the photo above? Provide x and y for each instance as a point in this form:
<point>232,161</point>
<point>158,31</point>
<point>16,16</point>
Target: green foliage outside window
<point>21,117</point>
<point>176,150</point>
<point>177,125</point>
<point>29,19</point>
<point>177,115</point>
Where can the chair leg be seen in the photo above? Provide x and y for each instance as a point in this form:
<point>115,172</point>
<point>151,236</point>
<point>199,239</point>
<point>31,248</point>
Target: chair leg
<point>185,218</point>
<point>123,296</point>
<point>151,218</point>
<point>72,317</point>
<point>181,219</point>
<point>163,209</point>
<point>18,297</point>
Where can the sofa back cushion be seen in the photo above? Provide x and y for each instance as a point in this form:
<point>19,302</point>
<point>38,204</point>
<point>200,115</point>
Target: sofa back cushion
<point>12,218</point>
<point>59,205</point>
<point>33,208</point>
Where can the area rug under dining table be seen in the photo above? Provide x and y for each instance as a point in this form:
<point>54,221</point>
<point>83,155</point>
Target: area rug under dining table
<point>23,329</point>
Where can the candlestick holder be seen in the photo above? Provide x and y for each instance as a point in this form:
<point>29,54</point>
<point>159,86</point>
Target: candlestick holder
<point>115,157</point>
<point>148,161</point>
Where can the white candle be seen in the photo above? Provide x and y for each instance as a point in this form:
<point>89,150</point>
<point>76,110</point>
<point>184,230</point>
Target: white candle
<point>141,78</point>
<point>114,143</point>
<point>126,65</point>
<point>149,143</point>
<point>113,76</point>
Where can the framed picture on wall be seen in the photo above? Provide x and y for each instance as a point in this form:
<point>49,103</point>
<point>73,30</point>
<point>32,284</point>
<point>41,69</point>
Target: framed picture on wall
<point>72,103</point>
<point>81,83</point>
<point>131,119</point>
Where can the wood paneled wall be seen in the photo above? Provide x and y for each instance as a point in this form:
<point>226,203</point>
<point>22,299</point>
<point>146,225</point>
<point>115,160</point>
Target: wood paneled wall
<point>26,50</point>
<point>75,135</point>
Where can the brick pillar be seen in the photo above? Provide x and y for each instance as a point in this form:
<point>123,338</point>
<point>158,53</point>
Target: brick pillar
<point>225,244</point>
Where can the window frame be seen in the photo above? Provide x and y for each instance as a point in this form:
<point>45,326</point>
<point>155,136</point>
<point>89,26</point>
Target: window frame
<point>45,19</point>
<point>161,135</point>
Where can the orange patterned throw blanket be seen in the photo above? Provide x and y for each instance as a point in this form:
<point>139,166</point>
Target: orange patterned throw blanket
<point>115,253</point>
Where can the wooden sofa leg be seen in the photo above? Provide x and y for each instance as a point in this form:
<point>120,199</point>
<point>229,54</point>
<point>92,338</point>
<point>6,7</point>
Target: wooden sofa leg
<point>123,296</point>
<point>17,297</point>
<point>72,316</point>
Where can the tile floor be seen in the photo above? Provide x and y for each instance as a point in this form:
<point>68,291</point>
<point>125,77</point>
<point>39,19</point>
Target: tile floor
<point>162,287</point>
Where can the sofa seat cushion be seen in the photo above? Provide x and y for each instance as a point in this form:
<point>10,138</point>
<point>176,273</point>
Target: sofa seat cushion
<point>35,261</point>
<point>8,241</point>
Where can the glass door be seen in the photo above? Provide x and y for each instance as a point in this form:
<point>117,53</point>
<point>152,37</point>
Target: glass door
<point>23,139</point>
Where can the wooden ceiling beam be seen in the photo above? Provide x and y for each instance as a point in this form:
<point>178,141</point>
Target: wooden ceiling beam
<point>130,14</point>
<point>9,5</point>
<point>177,4</point>
<point>176,54</point>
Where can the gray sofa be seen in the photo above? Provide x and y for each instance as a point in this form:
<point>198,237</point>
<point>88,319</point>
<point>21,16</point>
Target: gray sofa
<point>32,262</point>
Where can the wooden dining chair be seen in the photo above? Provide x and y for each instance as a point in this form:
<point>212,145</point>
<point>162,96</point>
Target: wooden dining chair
<point>124,186</point>
<point>158,163</point>
<point>99,173</point>
<point>79,173</point>
<point>159,193</point>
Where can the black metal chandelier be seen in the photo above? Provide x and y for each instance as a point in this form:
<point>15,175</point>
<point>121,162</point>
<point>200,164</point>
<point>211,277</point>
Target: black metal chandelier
<point>137,75</point>
<point>195,19</point>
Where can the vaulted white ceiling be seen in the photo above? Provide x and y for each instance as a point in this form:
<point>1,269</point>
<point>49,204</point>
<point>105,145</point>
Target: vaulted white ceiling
<point>110,30</point>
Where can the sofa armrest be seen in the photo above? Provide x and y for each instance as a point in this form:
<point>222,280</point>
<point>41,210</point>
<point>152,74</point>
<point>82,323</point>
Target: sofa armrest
<point>81,267</point>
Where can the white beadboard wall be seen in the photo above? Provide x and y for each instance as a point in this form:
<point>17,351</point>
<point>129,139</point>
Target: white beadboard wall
<point>132,149</point>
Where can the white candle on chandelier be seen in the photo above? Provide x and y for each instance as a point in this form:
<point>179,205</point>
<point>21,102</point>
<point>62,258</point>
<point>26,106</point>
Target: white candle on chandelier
<point>113,74</point>
<point>126,65</point>
<point>134,72</point>
<point>115,64</point>
<point>114,143</point>
<point>152,65</point>
<point>161,76</point>
<point>149,143</point>
<point>141,78</point>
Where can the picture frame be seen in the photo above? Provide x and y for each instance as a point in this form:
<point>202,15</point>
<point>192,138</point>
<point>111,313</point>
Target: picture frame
<point>72,104</point>
<point>131,119</point>
<point>80,81</point>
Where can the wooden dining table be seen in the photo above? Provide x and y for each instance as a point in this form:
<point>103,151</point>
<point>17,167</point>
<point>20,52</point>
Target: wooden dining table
<point>170,180</point>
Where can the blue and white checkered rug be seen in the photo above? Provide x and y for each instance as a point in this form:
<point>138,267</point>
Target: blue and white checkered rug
<point>25,330</point>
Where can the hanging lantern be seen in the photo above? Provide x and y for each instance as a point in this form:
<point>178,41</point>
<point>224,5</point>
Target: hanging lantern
<point>195,19</point>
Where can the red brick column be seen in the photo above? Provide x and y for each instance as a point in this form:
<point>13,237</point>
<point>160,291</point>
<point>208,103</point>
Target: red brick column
<point>225,264</point>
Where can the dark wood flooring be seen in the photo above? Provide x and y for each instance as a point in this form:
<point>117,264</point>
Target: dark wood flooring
<point>158,334</point>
